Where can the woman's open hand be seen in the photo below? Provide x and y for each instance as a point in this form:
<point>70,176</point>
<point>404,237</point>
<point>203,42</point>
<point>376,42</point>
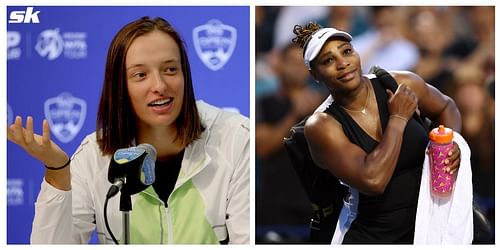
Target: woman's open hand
<point>38,146</point>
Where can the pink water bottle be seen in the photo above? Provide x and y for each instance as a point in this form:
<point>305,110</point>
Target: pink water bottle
<point>441,143</point>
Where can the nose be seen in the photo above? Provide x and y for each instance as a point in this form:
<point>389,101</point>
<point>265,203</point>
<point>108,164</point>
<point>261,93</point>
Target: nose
<point>342,63</point>
<point>159,85</point>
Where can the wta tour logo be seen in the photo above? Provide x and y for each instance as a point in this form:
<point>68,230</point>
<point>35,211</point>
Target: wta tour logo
<point>51,44</point>
<point>65,115</point>
<point>214,43</point>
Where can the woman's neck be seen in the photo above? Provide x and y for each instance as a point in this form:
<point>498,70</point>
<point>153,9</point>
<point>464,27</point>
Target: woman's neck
<point>354,99</point>
<point>162,139</point>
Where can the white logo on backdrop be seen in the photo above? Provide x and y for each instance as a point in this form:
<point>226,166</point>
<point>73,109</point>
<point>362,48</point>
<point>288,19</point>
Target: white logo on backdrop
<point>10,115</point>
<point>66,115</point>
<point>15,192</point>
<point>52,44</point>
<point>214,43</point>
<point>49,44</point>
<point>75,45</point>
<point>13,41</point>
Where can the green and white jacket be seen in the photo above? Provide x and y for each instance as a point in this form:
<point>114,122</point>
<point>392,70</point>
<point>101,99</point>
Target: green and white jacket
<point>210,201</point>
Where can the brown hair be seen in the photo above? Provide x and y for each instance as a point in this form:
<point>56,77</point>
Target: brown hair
<point>304,33</point>
<point>116,120</point>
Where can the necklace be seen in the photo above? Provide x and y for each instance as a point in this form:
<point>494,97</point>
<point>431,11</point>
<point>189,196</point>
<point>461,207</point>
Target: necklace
<point>362,111</point>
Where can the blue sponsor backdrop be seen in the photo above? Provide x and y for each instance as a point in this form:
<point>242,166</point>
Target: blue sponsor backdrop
<point>55,69</point>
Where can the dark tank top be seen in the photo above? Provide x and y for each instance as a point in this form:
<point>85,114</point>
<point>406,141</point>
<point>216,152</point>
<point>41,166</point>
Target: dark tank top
<point>389,217</point>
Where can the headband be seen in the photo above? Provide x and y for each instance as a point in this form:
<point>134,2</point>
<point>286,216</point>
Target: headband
<point>317,41</point>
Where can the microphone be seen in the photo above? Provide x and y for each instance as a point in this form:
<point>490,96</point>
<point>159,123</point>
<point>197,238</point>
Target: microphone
<point>132,169</point>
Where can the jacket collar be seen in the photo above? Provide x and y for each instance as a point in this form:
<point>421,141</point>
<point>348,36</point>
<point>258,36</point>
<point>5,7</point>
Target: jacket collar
<point>196,157</point>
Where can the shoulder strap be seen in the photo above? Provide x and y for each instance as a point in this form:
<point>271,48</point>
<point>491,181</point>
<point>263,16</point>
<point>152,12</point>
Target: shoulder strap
<point>390,83</point>
<point>385,78</point>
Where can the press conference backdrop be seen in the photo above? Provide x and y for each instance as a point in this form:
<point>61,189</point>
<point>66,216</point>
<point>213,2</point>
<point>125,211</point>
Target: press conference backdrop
<point>55,68</point>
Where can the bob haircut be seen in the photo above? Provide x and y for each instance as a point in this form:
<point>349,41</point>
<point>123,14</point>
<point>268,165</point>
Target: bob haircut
<point>116,120</point>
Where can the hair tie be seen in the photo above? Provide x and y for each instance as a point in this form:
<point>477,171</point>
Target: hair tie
<point>58,168</point>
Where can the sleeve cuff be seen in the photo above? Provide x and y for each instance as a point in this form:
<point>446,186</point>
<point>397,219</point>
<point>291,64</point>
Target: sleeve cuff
<point>49,194</point>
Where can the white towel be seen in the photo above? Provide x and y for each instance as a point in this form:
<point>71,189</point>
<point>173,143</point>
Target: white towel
<point>347,215</point>
<point>446,220</point>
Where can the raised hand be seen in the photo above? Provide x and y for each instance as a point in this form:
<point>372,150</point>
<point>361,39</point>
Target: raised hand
<point>403,102</point>
<point>38,146</point>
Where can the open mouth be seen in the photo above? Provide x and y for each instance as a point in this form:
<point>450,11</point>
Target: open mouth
<point>161,102</point>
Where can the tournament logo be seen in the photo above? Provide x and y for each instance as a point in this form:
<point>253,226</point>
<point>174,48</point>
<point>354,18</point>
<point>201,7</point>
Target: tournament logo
<point>66,115</point>
<point>10,115</point>
<point>13,41</point>
<point>214,43</point>
<point>50,44</point>
<point>15,192</point>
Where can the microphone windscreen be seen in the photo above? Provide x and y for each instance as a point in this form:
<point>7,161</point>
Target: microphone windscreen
<point>149,149</point>
<point>148,166</point>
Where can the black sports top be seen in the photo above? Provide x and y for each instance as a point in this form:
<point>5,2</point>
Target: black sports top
<point>389,217</point>
<point>166,176</point>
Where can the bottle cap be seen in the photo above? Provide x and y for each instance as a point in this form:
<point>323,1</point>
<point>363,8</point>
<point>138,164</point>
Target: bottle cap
<point>441,135</point>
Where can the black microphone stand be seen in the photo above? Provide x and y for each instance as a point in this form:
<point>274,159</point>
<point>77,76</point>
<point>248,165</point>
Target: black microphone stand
<point>128,174</point>
<point>125,207</point>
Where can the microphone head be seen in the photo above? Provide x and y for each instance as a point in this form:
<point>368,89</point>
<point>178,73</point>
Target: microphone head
<point>148,167</point>
<point>135,165</point>
<point>150,149</point>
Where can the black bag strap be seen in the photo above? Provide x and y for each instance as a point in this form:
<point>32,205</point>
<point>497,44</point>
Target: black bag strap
<point>390,83</point>
<point>384,77</point>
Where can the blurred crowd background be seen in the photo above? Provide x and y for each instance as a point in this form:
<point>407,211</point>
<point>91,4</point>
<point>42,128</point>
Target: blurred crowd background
<point>451,48</point>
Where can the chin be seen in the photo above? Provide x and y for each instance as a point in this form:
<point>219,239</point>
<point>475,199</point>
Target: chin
<point>159,121</point>
<point>168,122</point>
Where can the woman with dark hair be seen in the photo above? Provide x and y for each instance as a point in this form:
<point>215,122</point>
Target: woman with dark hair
<point>201,192</point>
<point>369,139</point>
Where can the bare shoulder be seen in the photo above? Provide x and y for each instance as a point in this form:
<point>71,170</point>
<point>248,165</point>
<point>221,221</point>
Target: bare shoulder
<point>318,119</point>
<point>407,77</point>
<point>412,80</point>
<point>328,144</point>
<point>318,123</point>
